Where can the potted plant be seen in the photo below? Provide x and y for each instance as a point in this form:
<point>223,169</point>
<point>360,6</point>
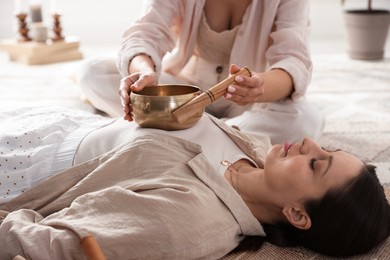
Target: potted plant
<point>367,31</point>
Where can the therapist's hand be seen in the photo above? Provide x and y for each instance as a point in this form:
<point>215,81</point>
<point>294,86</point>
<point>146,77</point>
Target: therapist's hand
<point>145,76</point>
<point>134,82</point>
<point>246,90</point>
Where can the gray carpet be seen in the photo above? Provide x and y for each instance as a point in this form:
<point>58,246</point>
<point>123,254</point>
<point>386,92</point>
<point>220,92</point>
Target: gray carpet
<point>355,97</point>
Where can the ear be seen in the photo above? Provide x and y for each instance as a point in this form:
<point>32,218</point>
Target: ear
<point>297,217</point>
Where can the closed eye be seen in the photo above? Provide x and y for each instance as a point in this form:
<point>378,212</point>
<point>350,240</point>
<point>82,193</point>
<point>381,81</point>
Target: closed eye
<point>312,161</point>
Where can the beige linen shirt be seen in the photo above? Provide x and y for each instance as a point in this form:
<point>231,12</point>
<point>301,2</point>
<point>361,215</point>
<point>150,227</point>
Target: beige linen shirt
<point>275,34</point>
<point>154,198</point>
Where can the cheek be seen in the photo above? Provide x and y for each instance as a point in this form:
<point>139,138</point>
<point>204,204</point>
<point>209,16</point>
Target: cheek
<point>286,173</point>
<point>276,174</point>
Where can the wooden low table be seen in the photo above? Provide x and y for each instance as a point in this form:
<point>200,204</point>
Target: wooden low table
<point>32,53</point>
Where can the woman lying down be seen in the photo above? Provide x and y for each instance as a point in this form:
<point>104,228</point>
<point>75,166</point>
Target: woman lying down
<point>194,193</point>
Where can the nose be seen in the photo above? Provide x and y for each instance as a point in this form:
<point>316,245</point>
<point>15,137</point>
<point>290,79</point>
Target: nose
<point>309,146</point>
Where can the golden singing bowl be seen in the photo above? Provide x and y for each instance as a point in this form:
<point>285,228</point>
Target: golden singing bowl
<point>153,106</point>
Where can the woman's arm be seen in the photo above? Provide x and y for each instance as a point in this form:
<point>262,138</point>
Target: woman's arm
<point>277,85</point>
<point>141,63</point>
<point>144,45</point>
<point>289,48</point>
<point>151,34</point>
<point>286,38</point>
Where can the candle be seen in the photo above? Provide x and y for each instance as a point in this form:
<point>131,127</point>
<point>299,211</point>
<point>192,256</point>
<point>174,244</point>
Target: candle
<point>18,6</point>
<point>39,32</point>
<point>54,6</point>
<point>36,12</point>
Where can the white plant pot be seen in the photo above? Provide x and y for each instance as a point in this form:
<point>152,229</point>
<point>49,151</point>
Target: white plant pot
<point>367,34</point>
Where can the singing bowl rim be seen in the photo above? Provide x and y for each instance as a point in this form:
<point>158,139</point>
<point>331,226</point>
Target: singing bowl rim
<point>166,122</point>
<point>148,91</point>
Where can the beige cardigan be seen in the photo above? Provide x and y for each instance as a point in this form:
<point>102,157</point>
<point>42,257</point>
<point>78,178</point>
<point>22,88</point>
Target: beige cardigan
<point>275,34</point>
<point>155,198</point>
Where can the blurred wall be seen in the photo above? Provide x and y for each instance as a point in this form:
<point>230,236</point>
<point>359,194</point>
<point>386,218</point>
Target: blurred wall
<point>102,22</point>
<point>95,22</point>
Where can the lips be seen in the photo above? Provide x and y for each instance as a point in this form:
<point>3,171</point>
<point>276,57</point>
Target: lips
<point>287,147</point>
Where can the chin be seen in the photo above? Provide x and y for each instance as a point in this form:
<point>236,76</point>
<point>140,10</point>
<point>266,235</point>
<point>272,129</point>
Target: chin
<point>274,154</point>
<point>276,150</point>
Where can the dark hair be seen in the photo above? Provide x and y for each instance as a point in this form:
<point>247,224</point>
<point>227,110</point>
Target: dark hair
<point>347,221</point>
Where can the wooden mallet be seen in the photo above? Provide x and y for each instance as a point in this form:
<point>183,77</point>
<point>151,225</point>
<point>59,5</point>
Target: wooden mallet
<point>190,108</point>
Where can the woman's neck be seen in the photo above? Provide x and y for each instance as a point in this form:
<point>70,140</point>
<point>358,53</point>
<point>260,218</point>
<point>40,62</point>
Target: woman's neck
<point>247,180</point>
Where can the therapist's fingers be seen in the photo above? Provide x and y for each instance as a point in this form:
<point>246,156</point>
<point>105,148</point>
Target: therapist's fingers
<point>125,89</point>
<point>247,90</point>
<point>234,68</point>
<point>144,80</point>
<point>124,93</point>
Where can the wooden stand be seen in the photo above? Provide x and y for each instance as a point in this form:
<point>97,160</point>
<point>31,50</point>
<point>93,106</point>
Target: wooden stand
<point>30,52</point>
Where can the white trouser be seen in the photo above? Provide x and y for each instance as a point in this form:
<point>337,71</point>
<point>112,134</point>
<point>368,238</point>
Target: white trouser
<point>283,121</point>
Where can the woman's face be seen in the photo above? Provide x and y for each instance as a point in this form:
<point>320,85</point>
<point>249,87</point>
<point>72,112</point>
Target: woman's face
<point>298,172</point>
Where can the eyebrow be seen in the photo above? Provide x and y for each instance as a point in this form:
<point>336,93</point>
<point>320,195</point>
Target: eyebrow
<point>331,151</point>
<point>330,160</point>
